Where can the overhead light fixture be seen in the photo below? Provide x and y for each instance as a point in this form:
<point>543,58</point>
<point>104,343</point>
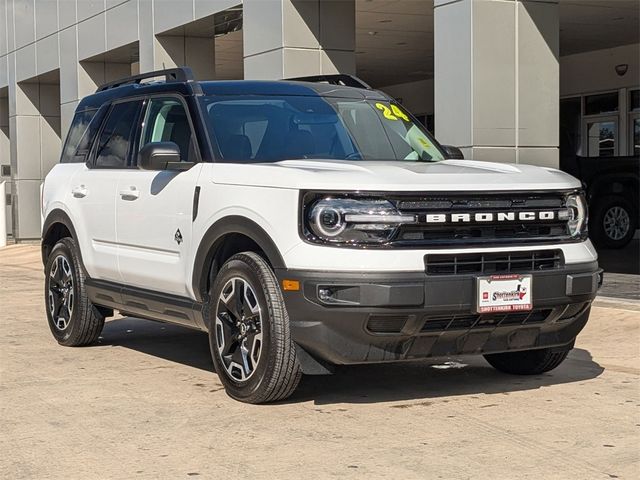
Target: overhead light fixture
<point>372,33</point>
<point>622,69</point>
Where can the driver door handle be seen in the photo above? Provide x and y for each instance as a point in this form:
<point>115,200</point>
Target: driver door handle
<point>131,194</point>
<point>79,192</point>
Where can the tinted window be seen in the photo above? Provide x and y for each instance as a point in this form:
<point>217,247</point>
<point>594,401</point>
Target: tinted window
<point>271,128</point>
<point>601,103</point>
<point>166,121</point>
<point>570,126</point>
<point>89,135</point>
<point>77,131</point>
<point>634,101</point>
<point>112,150</point>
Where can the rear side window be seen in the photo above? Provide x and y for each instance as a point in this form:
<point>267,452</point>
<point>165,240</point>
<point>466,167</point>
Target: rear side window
<point>77,131</point>
<point>113,148</point>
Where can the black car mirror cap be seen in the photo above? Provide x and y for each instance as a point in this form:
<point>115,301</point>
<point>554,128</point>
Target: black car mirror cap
<point>159,156</point>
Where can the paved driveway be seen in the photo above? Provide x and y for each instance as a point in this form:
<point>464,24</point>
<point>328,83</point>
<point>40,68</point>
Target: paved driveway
<point>144,403</point>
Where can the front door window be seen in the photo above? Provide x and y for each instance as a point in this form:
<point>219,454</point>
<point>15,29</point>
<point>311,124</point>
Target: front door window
<point>166,121</point>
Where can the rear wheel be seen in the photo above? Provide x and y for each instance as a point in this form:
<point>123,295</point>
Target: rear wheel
<point>74,321</point>
<point>249,335</point>
<point>528,362</point>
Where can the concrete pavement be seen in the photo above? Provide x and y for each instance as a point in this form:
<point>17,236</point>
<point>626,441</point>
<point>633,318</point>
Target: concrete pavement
<point>144,403</point>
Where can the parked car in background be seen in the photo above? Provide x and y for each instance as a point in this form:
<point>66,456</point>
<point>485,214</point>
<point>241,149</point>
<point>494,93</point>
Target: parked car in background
<point>612,185</point>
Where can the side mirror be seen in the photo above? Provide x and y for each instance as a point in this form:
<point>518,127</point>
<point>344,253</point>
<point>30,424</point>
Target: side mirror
<point>452,152</point>
<point>161,156</point>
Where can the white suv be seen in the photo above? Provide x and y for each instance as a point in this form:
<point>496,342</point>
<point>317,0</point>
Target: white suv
<point>303,225</point>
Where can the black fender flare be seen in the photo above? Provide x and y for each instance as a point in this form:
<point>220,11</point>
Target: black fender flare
<point>208,248</point>
<point>56,216</point>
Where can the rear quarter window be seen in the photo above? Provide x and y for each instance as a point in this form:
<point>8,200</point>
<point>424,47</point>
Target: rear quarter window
<point>77,133</point>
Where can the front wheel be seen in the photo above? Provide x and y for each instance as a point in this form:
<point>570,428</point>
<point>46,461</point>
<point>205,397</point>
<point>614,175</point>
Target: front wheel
<point>249,333</point>
<point>527,362</point>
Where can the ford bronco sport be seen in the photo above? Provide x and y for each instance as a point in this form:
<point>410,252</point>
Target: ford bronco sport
<point>303,225</point>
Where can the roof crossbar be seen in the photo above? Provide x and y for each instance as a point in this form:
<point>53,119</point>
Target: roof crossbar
<point>180,74</point>
<point>337,79</point>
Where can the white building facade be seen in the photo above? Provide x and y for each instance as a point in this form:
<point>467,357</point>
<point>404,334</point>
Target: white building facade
<point>493,77</point>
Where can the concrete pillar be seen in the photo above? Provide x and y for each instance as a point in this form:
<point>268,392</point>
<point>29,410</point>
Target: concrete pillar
<point>146,35</point>
<point>158,52</point>
<point>291,38</point>
<point>497,79</point>
<point>176,51</point>
<point>34,131</point>
<point>93,74</point>
<point>70,90</point>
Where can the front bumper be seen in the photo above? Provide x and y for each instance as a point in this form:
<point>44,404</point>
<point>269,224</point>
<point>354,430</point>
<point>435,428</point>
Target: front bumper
<point>386,317</point>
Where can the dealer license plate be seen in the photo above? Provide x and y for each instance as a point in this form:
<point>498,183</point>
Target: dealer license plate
<point>504,293</point>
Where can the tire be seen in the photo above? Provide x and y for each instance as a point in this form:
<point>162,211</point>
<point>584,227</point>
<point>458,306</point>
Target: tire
<point>268,369</point>
<point>527,362</point>
<point>613,221</point>
<point>74,321</point>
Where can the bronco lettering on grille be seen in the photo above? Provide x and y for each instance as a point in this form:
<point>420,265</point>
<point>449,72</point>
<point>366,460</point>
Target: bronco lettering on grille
<point>485,217</point>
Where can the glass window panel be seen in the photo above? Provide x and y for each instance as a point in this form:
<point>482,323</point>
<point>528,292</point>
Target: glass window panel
<point>570,126</point>
<point>113,145</point>
<point>602,137</point>
<point>78,128</point>
<point>167,122</point>
<point>634,101</point>
<point>636,136</point>
<point>272,128</point>
<point>602,103</point>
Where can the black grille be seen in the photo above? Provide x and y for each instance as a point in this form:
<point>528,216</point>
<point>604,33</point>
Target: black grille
<point>481,232</point>
<point>386,323</point>
<point>438,323</point>
<point>490,263</point>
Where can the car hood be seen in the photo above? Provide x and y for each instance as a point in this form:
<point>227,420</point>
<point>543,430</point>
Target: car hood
<point>345,175</point>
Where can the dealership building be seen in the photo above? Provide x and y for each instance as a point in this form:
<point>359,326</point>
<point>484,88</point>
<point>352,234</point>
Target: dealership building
<point>493,77</point>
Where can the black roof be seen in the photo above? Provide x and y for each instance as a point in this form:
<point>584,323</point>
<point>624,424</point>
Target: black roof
<point>286,87</point>
<point>132,87</point>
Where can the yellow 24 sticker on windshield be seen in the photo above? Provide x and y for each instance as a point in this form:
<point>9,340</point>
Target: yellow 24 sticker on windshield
<point>424,143</point>
<point>393,113</point>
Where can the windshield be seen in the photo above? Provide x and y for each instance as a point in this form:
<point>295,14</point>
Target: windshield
<point>255,129</point>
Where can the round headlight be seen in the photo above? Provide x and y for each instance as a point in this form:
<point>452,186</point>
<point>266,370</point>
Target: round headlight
<point>327,221</point>
<point>577,221</point>
<point>354,221</point>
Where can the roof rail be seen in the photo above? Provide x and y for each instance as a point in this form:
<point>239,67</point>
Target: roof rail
<point>180,74</point>
<point>337,79</point>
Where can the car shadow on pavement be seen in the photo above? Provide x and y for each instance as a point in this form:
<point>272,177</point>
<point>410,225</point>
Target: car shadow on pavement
<point>435,378</point>
<point>406,381</point>
<point>163,340</point>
